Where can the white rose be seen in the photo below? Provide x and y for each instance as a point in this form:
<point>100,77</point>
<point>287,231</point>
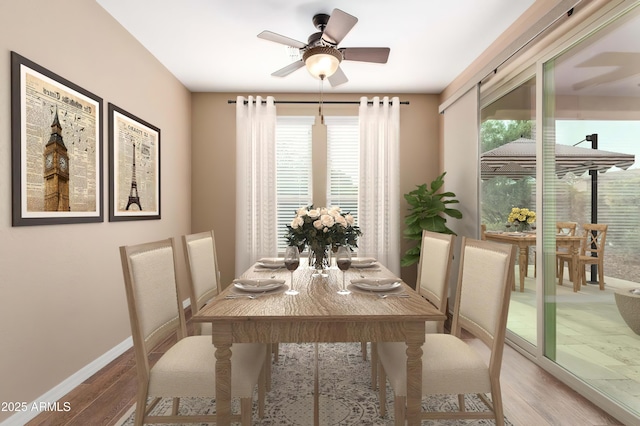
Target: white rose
<point>302,211</point>
<point>324,211</point>
<point>297,222</point>
<point>327,220</point>
<point>341,220</point>
<point>349,219</point>
<point>317,224</point>
<point>314,213</point>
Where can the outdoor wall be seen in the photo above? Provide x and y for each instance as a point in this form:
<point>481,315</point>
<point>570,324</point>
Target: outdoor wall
<point>62,299</point>
<point>214,156</point>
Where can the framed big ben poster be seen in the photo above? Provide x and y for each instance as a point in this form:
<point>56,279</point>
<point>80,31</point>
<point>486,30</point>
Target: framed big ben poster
<point>56,132</point>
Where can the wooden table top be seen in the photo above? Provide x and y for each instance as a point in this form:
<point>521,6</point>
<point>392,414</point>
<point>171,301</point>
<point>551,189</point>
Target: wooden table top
<point>525,237</point>
<point>318,300</point>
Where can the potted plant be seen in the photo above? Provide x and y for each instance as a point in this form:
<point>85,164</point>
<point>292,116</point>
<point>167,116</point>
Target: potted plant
<point>427,211</point>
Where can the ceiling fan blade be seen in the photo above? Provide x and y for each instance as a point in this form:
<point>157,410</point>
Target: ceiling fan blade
<point>271,36</point>
<point>283,72</point>
<point>338,78</point>
<point>366,54</point>
<point>340,23</point>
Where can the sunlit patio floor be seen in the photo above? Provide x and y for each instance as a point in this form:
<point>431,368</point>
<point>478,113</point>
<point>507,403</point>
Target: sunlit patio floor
<point>593,341</point>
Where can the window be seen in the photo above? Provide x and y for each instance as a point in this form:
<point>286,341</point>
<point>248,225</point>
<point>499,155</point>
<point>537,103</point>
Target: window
<point>293,170</point>
<point>343,168</point>
<point>294,166</point>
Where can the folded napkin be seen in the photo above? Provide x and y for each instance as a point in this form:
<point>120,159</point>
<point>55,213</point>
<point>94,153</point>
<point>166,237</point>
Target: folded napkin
<point>356,261</point>
<point>257,282</point>
<point>271,261</point>
<point>376,281</point>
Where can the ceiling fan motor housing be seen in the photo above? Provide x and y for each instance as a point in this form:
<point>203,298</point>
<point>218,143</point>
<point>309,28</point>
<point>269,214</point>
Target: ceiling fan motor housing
<point>325,61</point>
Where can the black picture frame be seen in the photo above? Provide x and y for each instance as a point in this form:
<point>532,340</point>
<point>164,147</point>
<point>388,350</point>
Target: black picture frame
<point>134,165</point>
<point>56,148</point>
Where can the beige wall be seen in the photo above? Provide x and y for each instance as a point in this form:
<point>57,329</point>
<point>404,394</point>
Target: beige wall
<point>213,163</point>
<point>62,300</point>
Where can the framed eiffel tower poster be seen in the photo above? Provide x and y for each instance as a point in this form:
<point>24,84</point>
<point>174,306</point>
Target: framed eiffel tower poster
<point>134,163</point>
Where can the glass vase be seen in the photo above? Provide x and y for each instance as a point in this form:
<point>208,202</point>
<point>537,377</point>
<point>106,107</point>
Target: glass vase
<point>319,258</point>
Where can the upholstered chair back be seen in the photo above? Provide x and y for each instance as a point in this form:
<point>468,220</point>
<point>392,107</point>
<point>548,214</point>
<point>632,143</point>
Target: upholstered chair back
<point>150,283</point>
<point>202,266</point>
<point>484,283</point>
<point>436,252</point>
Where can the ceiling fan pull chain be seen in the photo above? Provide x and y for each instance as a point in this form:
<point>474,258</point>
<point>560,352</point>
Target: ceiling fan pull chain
<point>320,112</point>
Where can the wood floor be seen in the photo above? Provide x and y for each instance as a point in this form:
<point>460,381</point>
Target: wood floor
<point>531,396</point>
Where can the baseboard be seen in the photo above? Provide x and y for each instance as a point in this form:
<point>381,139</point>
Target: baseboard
<point>73,381</point>
<point>69,384</point>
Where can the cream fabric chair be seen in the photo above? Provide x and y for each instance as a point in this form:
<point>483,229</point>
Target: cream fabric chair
<point>203,272</point>
<point>204,278</point>
<point>436,253</point>
<point>186,369</point>
<point>449,364</point>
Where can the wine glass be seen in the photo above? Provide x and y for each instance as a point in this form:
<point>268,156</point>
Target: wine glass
<point>343,260</point>
<point>508,226</point>
<point>291,262</point>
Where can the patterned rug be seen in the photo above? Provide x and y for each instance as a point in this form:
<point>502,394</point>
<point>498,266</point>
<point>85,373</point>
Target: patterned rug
<point>346,397</point>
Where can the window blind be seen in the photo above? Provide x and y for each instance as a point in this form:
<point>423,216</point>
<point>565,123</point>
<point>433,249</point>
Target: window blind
<point>343,153</point>
<point>293,170</point>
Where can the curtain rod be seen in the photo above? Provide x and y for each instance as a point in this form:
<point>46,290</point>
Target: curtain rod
<point>230,101</point>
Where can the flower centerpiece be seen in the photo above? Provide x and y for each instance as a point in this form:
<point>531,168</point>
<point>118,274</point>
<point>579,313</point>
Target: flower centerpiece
<point>322,229</point>
<point>522,218</point>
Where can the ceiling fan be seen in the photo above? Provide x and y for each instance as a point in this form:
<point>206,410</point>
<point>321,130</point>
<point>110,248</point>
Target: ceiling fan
<point>321,54</point>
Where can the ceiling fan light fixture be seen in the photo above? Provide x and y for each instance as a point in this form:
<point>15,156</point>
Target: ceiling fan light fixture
<point>321,61</point>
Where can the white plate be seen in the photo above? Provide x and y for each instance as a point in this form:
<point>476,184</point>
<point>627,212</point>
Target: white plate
<point>271,262</point>
<point>493,232</point>
<point>377,284</point>
<point>257,285</point>
<point>356,289</point>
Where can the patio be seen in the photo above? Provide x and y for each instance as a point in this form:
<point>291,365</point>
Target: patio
<point>593,341</point>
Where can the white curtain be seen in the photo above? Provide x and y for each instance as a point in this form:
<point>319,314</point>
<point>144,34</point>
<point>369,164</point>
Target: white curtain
<point>379,192</point>
<point>256,233</point>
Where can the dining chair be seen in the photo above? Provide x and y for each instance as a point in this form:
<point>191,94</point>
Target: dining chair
<point>450,365</point>
<point>591,253</point>
<point>204,281</point>
<point>432,283</point>
<point>187,368</point>
<point>562,253</point>
<point>202,271</point>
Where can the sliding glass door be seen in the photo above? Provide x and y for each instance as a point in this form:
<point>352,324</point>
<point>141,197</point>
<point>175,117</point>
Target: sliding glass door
<point>507,130</point>
<point>562,138</point>
<point>591,113</point>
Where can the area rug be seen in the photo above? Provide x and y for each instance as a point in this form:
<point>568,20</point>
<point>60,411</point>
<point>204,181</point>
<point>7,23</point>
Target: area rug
<point>345,398</point>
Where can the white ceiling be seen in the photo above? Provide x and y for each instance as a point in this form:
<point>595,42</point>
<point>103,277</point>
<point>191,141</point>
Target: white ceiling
<point>212,45</point>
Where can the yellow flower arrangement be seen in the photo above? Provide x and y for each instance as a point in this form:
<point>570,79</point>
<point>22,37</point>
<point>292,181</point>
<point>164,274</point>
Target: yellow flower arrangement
<point>521,217</point>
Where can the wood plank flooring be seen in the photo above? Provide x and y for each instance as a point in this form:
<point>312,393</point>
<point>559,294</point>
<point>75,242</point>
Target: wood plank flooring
<point>531,395</point>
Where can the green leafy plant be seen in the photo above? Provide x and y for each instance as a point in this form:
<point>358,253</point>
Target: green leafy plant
<point>427,211</point>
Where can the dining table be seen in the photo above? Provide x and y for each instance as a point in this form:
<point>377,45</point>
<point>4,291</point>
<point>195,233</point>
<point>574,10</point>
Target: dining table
<point>524,240</point>
<point>318,314</point>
